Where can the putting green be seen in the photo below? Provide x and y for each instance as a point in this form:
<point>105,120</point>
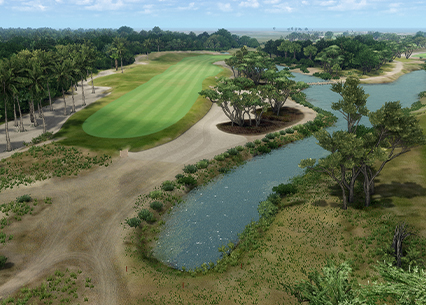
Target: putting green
<point>155,105</point>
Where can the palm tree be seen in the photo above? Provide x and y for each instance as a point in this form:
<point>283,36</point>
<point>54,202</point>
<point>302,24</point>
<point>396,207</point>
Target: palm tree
<point>8,84</point>
<point>47,65</point>
<point>36,79</point>
<point>62,70</point>
<point>119,44</point>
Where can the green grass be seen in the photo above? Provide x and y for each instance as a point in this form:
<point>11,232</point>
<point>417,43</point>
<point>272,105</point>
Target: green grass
<point>72,133</point>
<point>155,105</point>
<point>420,55</point>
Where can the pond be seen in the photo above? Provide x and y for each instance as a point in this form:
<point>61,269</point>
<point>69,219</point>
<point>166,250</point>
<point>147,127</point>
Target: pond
<point>213,215</point>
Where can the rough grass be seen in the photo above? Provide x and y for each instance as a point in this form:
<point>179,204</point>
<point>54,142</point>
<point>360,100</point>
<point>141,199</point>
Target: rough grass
<point>72,133</point>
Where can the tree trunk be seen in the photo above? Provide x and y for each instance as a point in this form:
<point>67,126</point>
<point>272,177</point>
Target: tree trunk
<point>42,116</point>
<point>72,95</point>
<point>345,202</point>
<point>116,64</point>
<point>31,111</point>
<point>21,120</point>
<point>34,117</point>
<point>50,98</point>
<point>82,92</point>
<point>367,192</point>
<point>399,236</point>
<point>15,122</point>
<point>39,111</point>
<point>65,103</point>
<point>93,85</point>
<point>8,144</point>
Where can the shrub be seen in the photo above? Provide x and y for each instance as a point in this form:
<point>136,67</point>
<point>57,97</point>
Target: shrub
<point>270,136</point>
<point>285,189</point>
<point>220,157</point>
<point>250,145</point>
<point>156,205</point>
<point>273,145</point>
<point>257,141</point>
<point>3,260</point>
<point>422,94</point>
<point>203,164</point>
<point>263,149</point>
<point>274,198</point>
<point>168,186</point>
<point>223,170</point>
<point>146,215</point>
<point>155,194</point>
<point>267,209</point>
<point>265,139</point>
<point>187,180</point>
<point>133,222</point>
<point>290,130</point>
<point>178,176</point>
<point>190,169</point>
<point>226,154</point>
<point>232,151</point>
<point>283,132</point>
<point>23,198</point>
<point>304,69</point>
<point>239,148</point>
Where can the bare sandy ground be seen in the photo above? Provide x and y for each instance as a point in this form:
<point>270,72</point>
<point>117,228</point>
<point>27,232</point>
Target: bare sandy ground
<point>83,227</point>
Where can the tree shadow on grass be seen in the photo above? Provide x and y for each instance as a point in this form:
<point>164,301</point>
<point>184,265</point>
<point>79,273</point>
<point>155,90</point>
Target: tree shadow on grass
<point>383,194</point>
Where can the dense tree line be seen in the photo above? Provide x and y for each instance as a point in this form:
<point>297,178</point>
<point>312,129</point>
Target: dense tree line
<point>14,40</point>
<point>364,52</point>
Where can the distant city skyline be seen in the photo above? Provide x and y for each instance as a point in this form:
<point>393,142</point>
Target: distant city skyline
<point>207,14</point>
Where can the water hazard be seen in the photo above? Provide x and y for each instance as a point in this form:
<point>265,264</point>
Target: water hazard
<point>213,215</point>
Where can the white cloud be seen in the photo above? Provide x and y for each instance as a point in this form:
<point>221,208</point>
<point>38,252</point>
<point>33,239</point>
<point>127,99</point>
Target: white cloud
<point>191,6</point>
<point>147,9</point>
<point>105,5</point>
<point>326,3</point>
<point>250,3</point>
<point>280,8</point>
<point>349,5</point>
<point>1,2</point>
<point>30,6</point>
<point>225,7</point>
<point>271,1</point>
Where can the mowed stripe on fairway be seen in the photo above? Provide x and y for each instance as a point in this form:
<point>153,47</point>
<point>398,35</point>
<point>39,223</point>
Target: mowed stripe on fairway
<point>155,105</point>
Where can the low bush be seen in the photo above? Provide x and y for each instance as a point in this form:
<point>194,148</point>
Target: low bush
<point>289,130</point>
<point>257,141</point>
<point>190,169</point>
<point>155,194</point>
<point>270,136</point>
<point>203,164</point>
<point>274,198</point>
<point>304,69</point>
<point>187,180</point>
<point>323,75</point>
<point>3,260</point>
<point>156,205</point>
<point>220,157</point>
<point>263,149</point>
<point>226,154</point>
<point>283,132</point>
<point>250,145</point>
<point>284,189</point>
<point>168,186</point>
<point>232,151</point>
<point>23,198</point>
<point>133,222</point>
<point>422,94</point>
<point>273,145</point>
<point>146,215</point>
<point>178,176</point>
<point>239,148</point>
<point>267,209</point>
<point>223,170</point>
<point>265,139</point>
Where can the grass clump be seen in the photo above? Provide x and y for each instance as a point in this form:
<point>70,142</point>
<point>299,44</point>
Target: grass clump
<point>156,205</point>
<point>190,169</point>
<point>146,215</point>
<point>168,186</point>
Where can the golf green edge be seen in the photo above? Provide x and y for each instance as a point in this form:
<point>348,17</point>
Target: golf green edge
<point>72,132</point>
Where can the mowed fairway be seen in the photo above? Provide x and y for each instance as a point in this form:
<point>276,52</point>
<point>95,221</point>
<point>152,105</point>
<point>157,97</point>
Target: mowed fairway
<point>155,105</point>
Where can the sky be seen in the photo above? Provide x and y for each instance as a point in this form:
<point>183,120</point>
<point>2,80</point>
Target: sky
<point>214,14</point>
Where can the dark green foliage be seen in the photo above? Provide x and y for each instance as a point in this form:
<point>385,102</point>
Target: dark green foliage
<point>415,106</point>
<point>190,169</point>
<point>273,145</point>
<point>239,148</point>
<point>155,194</point>
<point>257,141</point>
<point>283,132</point>
<point>304,69</point>
<point>232,151</point>
<point>3,260</point>
<point>266,140</point>
<point>220,157</point>
<point>187,180</point>
<point>203,164</point>
<point>250,145</point>
<point>146,215</point>
<point>24,198</point>
<point>422,94</point>
<point>263,149</point>
<point>274,198</point>
<point>179,176</point>
<point>156,205</point>
<point>267,209</point>
<point>270,136</point>
<point>323,75</point>
<point>289,130</point>
<point>168,186</point>
<point>133,222</point>
<point>223,170</point>
<point>285,189</point>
